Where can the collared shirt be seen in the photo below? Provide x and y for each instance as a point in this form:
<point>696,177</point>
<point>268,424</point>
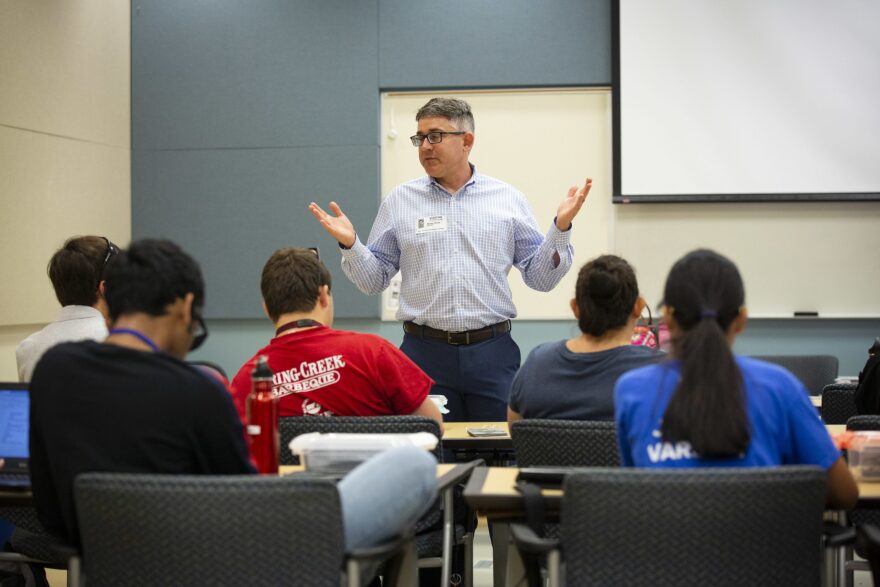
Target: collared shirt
<point>454,252</point>
<point>73,323</point>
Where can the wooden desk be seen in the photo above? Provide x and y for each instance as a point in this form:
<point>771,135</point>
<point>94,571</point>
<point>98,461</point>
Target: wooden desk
<point>816,400</point>
<point>455,436</point>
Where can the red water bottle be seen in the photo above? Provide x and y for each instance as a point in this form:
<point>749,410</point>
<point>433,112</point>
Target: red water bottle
<point>262,419</point>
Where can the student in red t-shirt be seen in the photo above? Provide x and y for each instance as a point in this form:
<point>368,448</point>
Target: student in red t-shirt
<point>322,371</point>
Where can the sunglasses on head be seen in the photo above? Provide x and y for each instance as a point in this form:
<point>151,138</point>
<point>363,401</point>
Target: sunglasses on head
<point>112,251</point>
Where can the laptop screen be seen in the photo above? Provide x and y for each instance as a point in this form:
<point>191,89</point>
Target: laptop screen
<point>14,421</point>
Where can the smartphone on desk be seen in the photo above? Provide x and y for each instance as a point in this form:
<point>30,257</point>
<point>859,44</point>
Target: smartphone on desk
<point>480,432</point>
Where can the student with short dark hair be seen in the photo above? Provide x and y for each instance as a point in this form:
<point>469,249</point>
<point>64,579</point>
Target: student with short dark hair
<point>708,407</point>
<point>574,379</point>
<point>322,371</point>
<point>76,271</point>
<point>130,404</point>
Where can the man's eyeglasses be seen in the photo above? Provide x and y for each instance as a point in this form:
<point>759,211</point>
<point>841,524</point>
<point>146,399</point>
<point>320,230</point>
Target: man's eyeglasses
<point>112,251</point>
<point>434,137</point>
<point>200,331</point>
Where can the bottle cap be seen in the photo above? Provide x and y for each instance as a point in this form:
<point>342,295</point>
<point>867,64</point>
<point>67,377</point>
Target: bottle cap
<point>262,370</point>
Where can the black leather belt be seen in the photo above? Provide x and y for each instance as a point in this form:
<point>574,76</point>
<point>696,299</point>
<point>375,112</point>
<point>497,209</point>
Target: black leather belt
<point>466,337</point>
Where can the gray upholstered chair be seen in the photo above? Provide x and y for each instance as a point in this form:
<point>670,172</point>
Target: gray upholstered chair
<point>31,544</point>
<point>814,371</point>
<point>212,530</point>
<point>440,527</point>
<point>565,443</point>
<point>720,527</point>
<point>838,403</point>
<point>293,426</point>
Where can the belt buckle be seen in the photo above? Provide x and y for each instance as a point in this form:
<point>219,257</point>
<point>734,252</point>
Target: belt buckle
<point>450,340</point>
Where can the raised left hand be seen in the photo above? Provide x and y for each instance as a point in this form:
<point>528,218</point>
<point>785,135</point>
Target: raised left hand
<point>571,205</point>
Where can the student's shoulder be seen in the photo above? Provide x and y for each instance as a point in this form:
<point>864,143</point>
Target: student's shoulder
<point>640,376</point>
<point>769,376</point>
<point>364,342</point>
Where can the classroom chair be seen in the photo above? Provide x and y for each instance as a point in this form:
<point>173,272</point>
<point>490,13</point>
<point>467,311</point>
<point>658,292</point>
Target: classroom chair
<point>31,544</point>
<point>565,443</point>
<point>139,529</point>
<point>814,371</point>
<point>838,403</point>
<point>721,527</point>
<point>451,523</point>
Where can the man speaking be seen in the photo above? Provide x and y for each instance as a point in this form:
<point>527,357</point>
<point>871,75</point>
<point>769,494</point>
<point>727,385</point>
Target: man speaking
<point>454,236</point>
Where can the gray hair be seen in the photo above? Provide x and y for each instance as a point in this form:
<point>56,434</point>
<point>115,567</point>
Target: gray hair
<point>458,112</point>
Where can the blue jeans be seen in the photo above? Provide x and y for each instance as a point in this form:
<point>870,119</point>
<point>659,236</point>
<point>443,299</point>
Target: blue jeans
<point>386,495</point>
<point>475,378</point>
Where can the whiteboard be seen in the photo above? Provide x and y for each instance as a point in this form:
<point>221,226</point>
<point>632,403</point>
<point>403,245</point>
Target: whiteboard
<point>749,99</point>
<point>542,142</point>
<point>794,257</point>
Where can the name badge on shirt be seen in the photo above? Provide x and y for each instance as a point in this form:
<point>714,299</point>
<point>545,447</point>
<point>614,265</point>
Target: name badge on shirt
<point>430,224</point>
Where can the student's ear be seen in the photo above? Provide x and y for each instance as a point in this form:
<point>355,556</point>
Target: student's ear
<point>668,318</point>
<point>266,310</point>
<point>324,296</point>
<point>575,309</point>
<point>739,323</point>
<point>101,287</point>
<point>187,307</point>
<point>639,307</point>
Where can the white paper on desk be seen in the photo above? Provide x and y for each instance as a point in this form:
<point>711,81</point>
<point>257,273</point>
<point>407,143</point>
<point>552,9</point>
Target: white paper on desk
<point>392,300</point>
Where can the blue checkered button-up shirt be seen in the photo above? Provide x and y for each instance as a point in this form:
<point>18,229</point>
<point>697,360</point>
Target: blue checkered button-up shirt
<point>456,279</point>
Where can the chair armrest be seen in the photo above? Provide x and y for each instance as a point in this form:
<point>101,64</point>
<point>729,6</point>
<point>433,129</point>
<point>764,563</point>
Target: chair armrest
<point>458,474</point>
<point>379,552</point>
<point>528,542</point>
<point>835,535</point>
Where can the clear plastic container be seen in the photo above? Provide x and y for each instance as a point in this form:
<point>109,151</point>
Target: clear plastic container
<point>340,453</point>
<point>864,456</point>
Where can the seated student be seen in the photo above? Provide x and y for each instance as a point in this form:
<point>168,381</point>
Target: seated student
<point>574,379</point>
<point>710,408</point>
<point>76,271</point>
<point>322,371</point>
<point>130,404</point>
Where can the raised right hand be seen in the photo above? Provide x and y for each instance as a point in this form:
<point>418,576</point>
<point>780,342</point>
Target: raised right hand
<point>339,226</point>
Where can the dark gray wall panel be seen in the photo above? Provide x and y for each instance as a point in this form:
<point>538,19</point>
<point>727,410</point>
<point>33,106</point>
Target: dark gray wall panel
<point>231,208</point>
<point>494,43</point>
<point>253,73</point>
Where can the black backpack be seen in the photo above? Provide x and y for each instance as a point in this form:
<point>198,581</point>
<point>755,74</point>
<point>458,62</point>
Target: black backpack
<point>868,392</point>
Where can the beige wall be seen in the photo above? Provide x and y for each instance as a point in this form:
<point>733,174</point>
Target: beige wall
<point>65,142</point>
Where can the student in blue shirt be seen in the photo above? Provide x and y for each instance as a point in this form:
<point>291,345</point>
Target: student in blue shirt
<point>710,408</point>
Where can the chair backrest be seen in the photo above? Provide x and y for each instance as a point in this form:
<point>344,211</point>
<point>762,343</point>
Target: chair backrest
<point>208,530</point>
<point>814,371</point>
<point>565,443</point>
<point>720,527</point>
<point>292,426</point>
<point>863,423</point>
<point>838,403</point>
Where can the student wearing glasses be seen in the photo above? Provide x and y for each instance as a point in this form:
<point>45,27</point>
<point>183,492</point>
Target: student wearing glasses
<point>707,407</point>
<point>454,236</point>
<point>77,274</point>
<point>130,404</point>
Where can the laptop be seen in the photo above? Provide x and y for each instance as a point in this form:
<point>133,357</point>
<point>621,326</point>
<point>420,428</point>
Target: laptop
<point>14,422</point>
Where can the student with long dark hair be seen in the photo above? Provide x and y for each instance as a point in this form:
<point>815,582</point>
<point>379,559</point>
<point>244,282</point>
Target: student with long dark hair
<point>574,379</point>
<point>710,408</point>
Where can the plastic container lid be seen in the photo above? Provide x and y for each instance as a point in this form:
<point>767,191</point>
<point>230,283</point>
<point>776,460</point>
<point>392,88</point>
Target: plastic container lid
<point>336,442</point>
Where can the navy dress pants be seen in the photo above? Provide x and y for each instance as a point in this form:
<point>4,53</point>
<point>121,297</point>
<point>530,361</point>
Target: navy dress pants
<point>475,378</point>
